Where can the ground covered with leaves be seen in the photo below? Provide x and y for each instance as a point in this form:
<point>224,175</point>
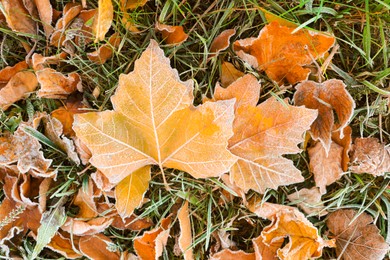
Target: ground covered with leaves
<point>194,129</point>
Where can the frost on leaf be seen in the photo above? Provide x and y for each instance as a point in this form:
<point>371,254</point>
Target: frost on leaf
<point>262,135</point>
<point>283,54</point>
<point>154,122</point>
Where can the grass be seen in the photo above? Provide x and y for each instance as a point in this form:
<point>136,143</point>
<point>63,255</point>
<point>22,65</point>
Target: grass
<point>362,29</point>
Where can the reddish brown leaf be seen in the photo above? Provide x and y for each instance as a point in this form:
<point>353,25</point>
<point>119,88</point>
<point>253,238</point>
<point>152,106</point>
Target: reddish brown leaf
<point>357,240</point>
<point>174,35</point>
<point>18,18</point>
<point>229,74</point>
<point>282,54</point>
<point>370,156</point>
<point>105,51</point>
<point>221,42</point>
<point>8,72</point>
<point>62,244</point>
<point>345,142</point>
<point>326,97</point>
<point>98,247</point>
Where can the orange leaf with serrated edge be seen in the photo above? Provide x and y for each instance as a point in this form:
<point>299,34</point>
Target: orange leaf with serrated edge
<point>327,97</point>
<point>102,22</point>
<point>262,135</point>
<point>281,53</point>
<point>154,122</point>
<point>174,35</point>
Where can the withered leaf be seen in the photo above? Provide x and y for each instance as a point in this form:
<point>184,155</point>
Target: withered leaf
<point>309,200</point>
<point>105,51</point>
<point>17,17</point>
<point>102,22</point>
<point>326,97</point>
<point>370,156</point>
<point>132,4</point>
<point>282,54</point>
<point>326,167</point>
<point>229,74</point>
<point>8,72</point>
<point>357,240</point>
<point>154,122</point>
<point>262,134</point>
<point>228,254</point>
<point>98,247</point>
<point>221,42</point>
<point>185,239</point>
<point>45,11</point>
<point>174,35</point>
<point>344,140</point>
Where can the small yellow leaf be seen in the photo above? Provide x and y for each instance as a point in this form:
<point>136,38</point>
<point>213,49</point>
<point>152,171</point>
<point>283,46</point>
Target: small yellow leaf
<point>103,20</point>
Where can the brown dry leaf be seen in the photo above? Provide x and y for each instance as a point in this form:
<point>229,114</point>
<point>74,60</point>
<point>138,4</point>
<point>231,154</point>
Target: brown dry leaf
<point>229,74</point>
<point>262,134</point>
<point>25,150</point>
<point>326,167</point>
<point>17,17</point>
<point>173,35</point>
<point>40,62</point>
<point>45,11</point>
<point>370,156</point>
<point>221,42</point>
<point>56,85</point>
<point>131,223</point>
<point>185,239</point>
<point>65,114</point>
<point>102,22</point>
<point>98,247</point>
<point>345,142</point>
<point>152,243</point>
<point>357,240</point>
<point>82,150</point>
<point>8,72</point>
<point>101,181</point>
<point>85,35</point>
<point>326,97</point>
<point>228,254</point>
<point>154,122</point>
<point>132,4</point>
<point>309,200</point>
<point>20,85</point>
<point>105,51</point>
<point>287,222</point>
<point>266,252</point>
<point>62,244</point>
<point>130,192</point>
<point>282,54</point>
<point>270,17</point>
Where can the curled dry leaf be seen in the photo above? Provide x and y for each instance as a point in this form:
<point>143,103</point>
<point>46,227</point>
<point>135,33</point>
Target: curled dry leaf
<point>326,167</point>
<point>85,35</point>
<point>45,11</point>
<point>326,97</point>
<point>20,85</point>
<point>221,42</point>
<point>98,247</point>
<point>8,72</point>
<point>309,200</point>
<point>40,62</point>
<point>370,156</point>
<point>17,17</point>
<point>287,222</point>
<point>281,53</point>
<point>345,141</point>
<point>105,51</point>
<point>62,244</point>
<point>356,240</point>
<point>262,135</point>
<point>174,35</point>
<point>228,254</point>
<point>154,122</point>
<point>229,74</point>
<point>185,239</point>
<point>130,192</point>
<point>56,85</point>
<point>264,251</point>
<point>102,22</point>
<point>152,243</point>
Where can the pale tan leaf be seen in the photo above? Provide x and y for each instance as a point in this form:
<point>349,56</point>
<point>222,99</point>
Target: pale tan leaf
<point>185,239</point>
<point>356,240</point>
<point>326,167</point>
<point>130,192</point>
<point>102,22</point>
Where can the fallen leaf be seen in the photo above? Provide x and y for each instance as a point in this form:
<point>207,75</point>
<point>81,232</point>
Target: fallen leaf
<point>62,244</point>
<point>19,86</point>
<point>174,35</point>
<point>356,240</point>
<point>221,42</point>
<point>98,247</point>
<point>85,35</point>
<point>270,17</point>
<point>326,167</point>
<point>326,97</point>
<point>45,11</point>
<point>154,122</point>
<point>8,72</point>
<point>130,192</point>
<point>287,222</point>
<point>282,54</point>
<point>266,252</point>
<point>370,156</point>
<point>102,181</point>
<point>228,254</point>
<point>309,200</point>
<point>17,17</point>
<point>262,134</point>
<point>346,143</point>
<point>56,85</point>
<point>229,74</point>
<point>82,227</point>
<point>102,22</point>
<point>40,62</point>
<point>132,223</point>
<point>152,243</point>
<point>185,239</point>
<point>105,51</point>
<point>132,4</point>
